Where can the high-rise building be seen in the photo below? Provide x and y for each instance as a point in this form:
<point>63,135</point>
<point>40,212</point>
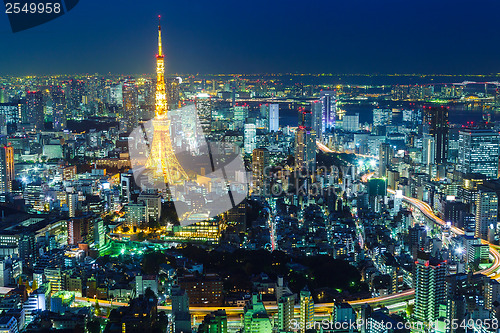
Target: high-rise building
<point>152,201</point>
<point>34,110</point>
<point>173,91</point>
<point>274,116</point>
<point>428,150</point>
<point>385,153</point>
<point>250,138</point>
<point>116,94</point>
<point>54,276</point>
<point>58,108</point>
<point>12,115</point>
<point>130,103</point>
<point>305,118</point>
<point>260,160</point>
<point>136,214</point>
<point>478,151</point>
<point>80,229</point>
<point>181,318</point>
<point>305,148</point>
<point>317,119</point>
<point>264,111</point>
<point>240,113</point>
<point>486,213</point>
<point>350,122</point>
<point>286,305</point>
<point>329,109</point>
<point>436,124</point>
<point>203,105</point>
<point>72,202</point>
<point>255,317</point>
<point>306,309</point>
<point>6,168</point>
<point>382,117</point>
<point>430,287</point>
<point>491,293</point>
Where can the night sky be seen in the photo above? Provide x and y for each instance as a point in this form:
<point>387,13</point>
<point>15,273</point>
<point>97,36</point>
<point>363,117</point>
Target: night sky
<point>261,36</point>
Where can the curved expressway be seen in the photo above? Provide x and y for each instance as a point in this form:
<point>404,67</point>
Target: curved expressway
<point>427,211</point>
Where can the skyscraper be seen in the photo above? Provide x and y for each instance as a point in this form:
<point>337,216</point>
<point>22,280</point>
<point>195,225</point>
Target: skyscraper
<point>428,150</point>
<point>6,168</point>
<point>34,110</point>
<point>250,138</point>
<point>306,308</point>
<point>305,148</point>
<point>203,105</point>
<point>350,123</point>
<point>58,108</point>
<point>478,151</point>
<point>317,119</point>
<point>260,160</point>
<point>486,213</point>
<point>329,109</point>
<point>385,153</point>
<point>240,113</point>
<point>274,115</point>
<point>436,125</point>
<point>430,287</point>
<point>116,94</point>
<point>285,312</point>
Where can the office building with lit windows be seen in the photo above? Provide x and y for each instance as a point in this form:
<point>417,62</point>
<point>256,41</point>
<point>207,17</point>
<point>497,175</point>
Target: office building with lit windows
<point>6,169</point>
<point>486,213</point>
<point>478,151</point>
<point>306,308</point>
<point>430,287</point>
<point>274,116</point>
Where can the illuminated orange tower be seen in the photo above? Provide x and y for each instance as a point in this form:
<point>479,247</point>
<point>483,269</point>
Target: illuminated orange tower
<point>162,160</point>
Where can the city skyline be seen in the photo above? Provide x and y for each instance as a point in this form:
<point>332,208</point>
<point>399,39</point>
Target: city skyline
<point>251,203</point>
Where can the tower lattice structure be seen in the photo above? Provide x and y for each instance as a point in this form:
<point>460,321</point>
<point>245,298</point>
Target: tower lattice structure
<point>162,160</point>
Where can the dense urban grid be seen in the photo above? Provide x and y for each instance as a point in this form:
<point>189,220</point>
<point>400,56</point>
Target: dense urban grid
<point>369,203</point>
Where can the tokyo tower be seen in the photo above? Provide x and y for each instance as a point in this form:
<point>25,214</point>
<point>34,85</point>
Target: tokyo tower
<point>162,160</point>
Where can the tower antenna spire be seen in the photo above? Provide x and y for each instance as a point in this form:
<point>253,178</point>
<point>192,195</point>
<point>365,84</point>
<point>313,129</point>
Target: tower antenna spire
<point>159,37</point>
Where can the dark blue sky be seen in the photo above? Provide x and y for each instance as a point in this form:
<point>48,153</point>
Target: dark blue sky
<point>255,36</point>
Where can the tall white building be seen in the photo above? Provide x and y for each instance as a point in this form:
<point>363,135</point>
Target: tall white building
<point>250,138</point>
<point>285,312</point>
<point>329,109</point>
<point>274,116</point>
<point>428,150</point>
